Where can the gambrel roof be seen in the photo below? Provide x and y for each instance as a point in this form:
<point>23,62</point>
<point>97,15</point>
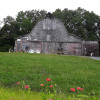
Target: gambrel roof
<point>51,29</point>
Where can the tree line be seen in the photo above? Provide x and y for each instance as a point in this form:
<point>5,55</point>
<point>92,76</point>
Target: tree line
<point>79,22</point>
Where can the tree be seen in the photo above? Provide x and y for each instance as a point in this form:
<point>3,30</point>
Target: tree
<point>58,14</point>
<point>7,31</point>
<point>27,20</point>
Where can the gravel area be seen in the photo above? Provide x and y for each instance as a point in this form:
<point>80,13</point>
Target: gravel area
<point>96,58</point>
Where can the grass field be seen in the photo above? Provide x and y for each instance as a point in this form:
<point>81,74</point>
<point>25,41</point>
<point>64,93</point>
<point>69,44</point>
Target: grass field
<point>13,94</point>
<point>65,71</point>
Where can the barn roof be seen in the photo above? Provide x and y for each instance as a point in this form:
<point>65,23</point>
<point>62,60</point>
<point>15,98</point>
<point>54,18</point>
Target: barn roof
<point>51,29</point>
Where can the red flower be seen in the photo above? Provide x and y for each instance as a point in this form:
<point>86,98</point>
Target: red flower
<point>41,84</point>
<point>78,88</point>
<point>48,79</point>
<point>50,99</point>
<point>81,89</point>
<point>51,85</point>
<point>26,87</point>
<point>18,83</point>
<point>72,89</point>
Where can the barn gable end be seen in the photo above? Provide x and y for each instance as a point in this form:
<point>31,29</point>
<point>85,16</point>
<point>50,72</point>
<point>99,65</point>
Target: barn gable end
<point>51,29</point>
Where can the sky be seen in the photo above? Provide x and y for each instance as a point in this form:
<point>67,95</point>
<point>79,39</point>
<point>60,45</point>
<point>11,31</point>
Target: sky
<point>12,7</point>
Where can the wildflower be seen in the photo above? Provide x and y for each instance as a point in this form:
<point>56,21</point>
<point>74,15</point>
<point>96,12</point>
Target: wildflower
<point>50,99</point>
<point>48,79</point>
<point>18,83</point>
<point>78,88</point>
<point>72,89</point>
<point>41,84</point>
<point>81,89</point>
<point>26,87</point>
<point>51,85</point>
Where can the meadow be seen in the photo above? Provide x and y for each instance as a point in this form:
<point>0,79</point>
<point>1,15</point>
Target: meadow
<point>65,72</point>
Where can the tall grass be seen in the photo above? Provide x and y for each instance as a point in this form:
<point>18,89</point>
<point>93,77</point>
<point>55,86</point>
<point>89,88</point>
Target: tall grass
<point>13,94</point>
<point>66,71</point>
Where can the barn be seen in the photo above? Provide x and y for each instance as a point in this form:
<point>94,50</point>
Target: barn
<point>50,36</point>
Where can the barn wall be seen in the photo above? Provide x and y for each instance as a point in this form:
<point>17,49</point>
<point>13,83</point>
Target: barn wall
<point>48,47</point>
<point>61,48</point>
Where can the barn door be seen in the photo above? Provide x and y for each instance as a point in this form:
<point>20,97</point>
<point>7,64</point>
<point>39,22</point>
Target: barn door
<point>48,47</point>
<point>35,47</point>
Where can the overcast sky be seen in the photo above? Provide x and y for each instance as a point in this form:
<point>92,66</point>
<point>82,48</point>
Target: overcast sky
<point>12,7</point>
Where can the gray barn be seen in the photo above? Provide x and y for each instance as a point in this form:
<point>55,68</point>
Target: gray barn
<point>51,37</point>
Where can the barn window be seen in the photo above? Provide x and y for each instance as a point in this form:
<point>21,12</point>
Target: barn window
<point>48,37</point>
<point>18,39</point>
<point>24,46</point>
<point>49,24</point>
<point>18,47</point>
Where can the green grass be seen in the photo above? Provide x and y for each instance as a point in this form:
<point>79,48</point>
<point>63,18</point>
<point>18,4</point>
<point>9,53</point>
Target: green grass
<point>13,94</point>
<point>65,71</point>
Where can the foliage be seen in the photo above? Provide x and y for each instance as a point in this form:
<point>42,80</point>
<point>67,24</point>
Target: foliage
<point>6,42</point>
<point>27,20</point>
